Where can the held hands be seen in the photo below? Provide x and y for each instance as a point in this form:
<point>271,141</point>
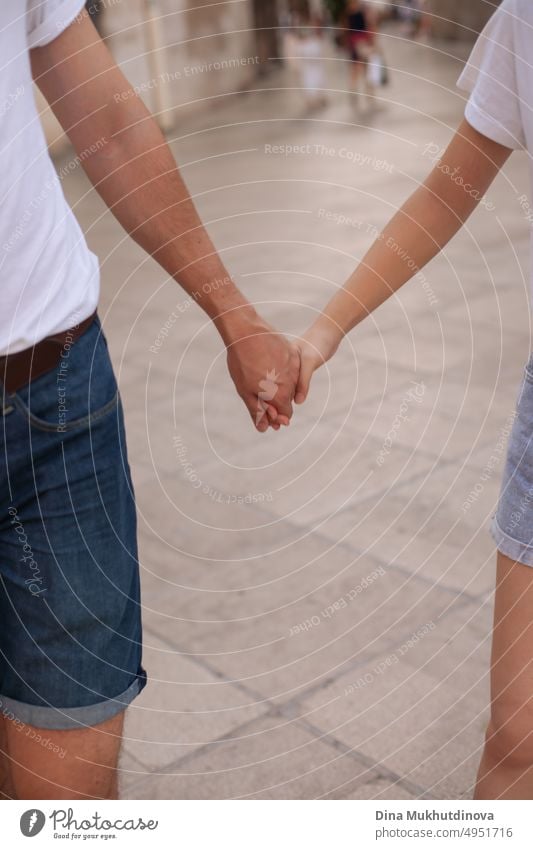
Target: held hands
<point>264,367</point>
<point>270,372</point>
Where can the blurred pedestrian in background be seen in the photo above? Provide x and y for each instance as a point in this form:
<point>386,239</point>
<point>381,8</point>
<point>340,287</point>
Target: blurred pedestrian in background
<point>415,17</point>
<point>311,62</point>
<point>361,38</point>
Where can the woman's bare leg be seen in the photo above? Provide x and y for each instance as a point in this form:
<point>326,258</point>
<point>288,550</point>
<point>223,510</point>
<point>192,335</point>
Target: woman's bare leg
<point>506,770</point>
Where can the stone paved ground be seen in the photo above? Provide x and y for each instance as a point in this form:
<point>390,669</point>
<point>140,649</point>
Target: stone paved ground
<point>284,584</point>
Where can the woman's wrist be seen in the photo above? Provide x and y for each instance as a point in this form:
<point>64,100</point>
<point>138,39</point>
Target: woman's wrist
<point>316,347</point>
<point>330,331</point>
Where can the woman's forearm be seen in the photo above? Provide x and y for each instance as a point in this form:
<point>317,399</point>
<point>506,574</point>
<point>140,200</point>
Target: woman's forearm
<point>421,228</point>
<point>417,232</point>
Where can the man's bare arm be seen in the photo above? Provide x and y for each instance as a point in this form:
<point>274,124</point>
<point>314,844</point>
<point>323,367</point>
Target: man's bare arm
<point>130,164</point>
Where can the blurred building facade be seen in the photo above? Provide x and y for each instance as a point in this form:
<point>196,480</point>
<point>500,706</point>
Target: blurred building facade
<point>181,52</point>
<point>185,54</point>
<point>457,19</point>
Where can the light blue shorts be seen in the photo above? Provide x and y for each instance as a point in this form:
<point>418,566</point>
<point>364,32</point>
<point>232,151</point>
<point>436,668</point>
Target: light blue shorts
<point>512,526</point>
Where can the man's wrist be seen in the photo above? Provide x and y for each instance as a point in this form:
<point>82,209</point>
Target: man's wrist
<point>237,321</point>
<point>232,314</point>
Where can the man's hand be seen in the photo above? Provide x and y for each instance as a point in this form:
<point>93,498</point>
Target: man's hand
<point>264,367</point>
<point>316,347</point>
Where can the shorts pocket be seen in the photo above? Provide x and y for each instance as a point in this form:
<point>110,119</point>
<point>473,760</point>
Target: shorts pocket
<point>80,391</point>
<point>61,425</point>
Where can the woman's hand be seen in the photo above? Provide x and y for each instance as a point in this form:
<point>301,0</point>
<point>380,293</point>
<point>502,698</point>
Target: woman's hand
<point>316,347</point>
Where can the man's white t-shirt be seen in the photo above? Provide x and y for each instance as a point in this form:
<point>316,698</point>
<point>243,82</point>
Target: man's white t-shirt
<point>49,278</point>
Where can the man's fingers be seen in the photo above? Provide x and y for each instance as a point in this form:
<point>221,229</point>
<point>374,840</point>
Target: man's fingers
<point>271,412</point>
<point>263,414</point>
<point>268,410</point>
<point>283,403</point>
<point>275,420</point>
<point>307,369</point>
<point>273,417</point>
<point>257,410</point>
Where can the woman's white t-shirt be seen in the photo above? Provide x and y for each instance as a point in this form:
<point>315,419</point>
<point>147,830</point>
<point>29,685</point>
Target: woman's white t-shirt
<point>49,279</point>
<point>499,77</point>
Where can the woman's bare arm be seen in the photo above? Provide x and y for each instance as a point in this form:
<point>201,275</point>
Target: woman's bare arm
<point>426,222</point>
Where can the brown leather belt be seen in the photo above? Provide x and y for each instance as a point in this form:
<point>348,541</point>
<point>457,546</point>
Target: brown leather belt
<point>17,370</point>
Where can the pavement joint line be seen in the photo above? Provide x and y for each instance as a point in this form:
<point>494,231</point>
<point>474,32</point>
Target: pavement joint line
<point>358,553</point>
<point>126,751</point>
<point>204,664</point>
<point>375,766</point>
<point>200,750</point>
<point>355,665</point>
<point>346,667</point>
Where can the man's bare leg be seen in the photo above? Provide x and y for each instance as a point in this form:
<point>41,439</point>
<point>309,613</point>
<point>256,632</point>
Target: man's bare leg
<point>83,766</point>
<point>6,788</point>
<point>506,770</point>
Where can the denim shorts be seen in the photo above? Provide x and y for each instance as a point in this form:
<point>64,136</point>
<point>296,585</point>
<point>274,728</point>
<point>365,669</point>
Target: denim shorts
<point>70,608</point>
<point>512,526</point>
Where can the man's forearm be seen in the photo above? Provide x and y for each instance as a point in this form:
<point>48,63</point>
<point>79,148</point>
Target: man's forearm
<point>137,177</point>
